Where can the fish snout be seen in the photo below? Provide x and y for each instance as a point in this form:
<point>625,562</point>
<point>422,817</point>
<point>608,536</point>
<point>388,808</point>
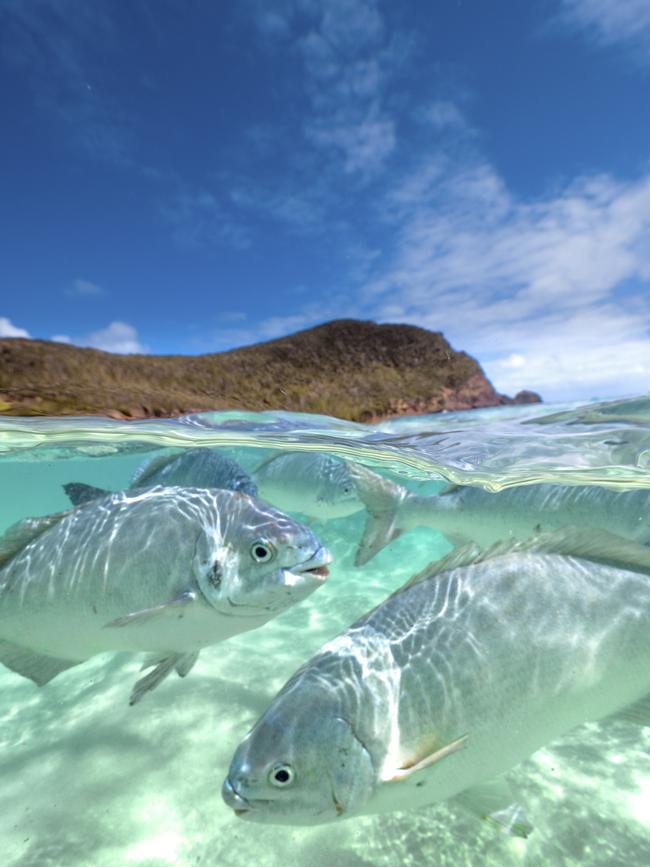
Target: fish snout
<point>233,799</point>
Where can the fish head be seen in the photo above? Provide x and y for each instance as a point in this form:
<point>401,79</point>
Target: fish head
<point>312,483</point>
<point>254,560</point>
<point>335,493</point>
<point>302,763</point>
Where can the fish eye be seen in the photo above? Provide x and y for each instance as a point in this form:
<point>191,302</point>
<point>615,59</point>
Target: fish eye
<point>281,776</point>
<point>262,551</point>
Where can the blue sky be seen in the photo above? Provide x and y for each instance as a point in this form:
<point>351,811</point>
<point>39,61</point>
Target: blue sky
<point>185,177</point>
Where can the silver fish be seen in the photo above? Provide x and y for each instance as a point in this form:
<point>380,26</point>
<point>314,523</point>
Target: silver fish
<point>468,514</point>
<point>200,468</point>
<point>473,665</point>
<point>311,483</point>
<point>167,570</point>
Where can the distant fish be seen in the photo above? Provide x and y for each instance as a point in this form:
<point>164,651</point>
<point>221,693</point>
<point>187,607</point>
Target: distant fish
<point>312,483</point>
<point>469,514</point>
<point>167,570</point>
<point>473,665</point>
<point>200,468</point>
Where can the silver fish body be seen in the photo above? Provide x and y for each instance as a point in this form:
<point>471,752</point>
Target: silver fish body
<point>194,467</point>
<point>311,483</point>
<point>470,668</point>
<point>166,570</point>
<point>470,514</point>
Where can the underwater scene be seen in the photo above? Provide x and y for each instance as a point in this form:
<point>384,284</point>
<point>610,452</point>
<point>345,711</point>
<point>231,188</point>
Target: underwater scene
<point>270,638</point>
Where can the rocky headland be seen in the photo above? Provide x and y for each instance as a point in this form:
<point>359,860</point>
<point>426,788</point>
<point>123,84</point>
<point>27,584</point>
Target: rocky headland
<point>348,368</point>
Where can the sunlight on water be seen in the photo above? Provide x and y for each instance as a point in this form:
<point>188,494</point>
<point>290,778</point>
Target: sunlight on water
<point>89,780</point>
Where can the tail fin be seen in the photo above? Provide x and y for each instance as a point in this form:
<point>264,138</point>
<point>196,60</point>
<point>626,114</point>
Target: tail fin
<point>382,498</point>
<point>79,493</point>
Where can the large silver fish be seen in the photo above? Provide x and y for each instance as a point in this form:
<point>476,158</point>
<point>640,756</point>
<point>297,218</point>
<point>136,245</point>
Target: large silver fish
<point>192,468</point>
<point>469,514</point>
<point>167,570</point>
<point>468,669</point>
<point>311,483</point>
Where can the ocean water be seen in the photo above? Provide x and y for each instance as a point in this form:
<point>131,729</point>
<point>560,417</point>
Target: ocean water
<point>86,779</point>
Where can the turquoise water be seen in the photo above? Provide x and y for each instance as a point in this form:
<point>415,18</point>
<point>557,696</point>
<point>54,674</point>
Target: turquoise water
<point>89,780</point>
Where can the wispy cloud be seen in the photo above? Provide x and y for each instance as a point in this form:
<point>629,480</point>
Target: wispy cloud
<point>267,329</point>
<point>541,291</point>
<point>348,59</point>
<point>610,21</point>
<point>444,115</point>
<point>56,44</point>
<point>8,329</point>
<point>83,289</point>
<point>200,220</point>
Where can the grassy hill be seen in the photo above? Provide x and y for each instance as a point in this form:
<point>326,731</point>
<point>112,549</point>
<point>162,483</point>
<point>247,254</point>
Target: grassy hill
<point>347,368</point>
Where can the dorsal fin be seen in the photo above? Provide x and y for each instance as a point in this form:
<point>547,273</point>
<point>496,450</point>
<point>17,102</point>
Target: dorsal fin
<point>602,547</point>
<point>79,493</point>
<point>451,488</point>
<point>148,468</point>
<point>23,532</point>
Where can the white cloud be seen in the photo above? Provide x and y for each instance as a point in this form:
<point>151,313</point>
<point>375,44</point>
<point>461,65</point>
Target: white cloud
<point>550,294</point>
<point>61,338</point>
<point>611,21</point>
<point>84,288</point>
<point>119,337</point>
<point>8,329</point>
<point>348,60</point>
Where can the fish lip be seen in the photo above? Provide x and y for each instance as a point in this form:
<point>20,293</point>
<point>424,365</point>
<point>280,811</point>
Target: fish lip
<point>316,565</point>
<point>233,799</point>
<point>240,805</point>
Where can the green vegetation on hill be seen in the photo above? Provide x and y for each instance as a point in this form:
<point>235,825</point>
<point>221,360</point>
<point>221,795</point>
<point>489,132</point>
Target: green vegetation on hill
<point>347,368</point>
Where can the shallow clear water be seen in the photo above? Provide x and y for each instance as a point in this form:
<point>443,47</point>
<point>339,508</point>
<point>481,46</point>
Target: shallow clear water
<point>89,780</point>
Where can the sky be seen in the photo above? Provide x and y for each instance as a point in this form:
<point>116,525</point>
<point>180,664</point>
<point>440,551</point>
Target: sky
<point>184,176</point>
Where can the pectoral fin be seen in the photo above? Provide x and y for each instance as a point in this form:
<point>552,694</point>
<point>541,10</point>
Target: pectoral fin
<point>161,667</point>
<point>36,666</point>
<point>185,663</point>
<point>493,802</point>
<point>426,756</point>
<point>175,608</point>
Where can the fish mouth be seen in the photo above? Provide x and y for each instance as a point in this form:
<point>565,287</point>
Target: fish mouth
<point>320,571</point>
<point>240,805</point>
<point>316,565</point>
<point>232,797</point>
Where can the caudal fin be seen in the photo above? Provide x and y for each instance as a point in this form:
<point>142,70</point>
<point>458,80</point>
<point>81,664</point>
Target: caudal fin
<point>79,493</point>
<point>382,498</point>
